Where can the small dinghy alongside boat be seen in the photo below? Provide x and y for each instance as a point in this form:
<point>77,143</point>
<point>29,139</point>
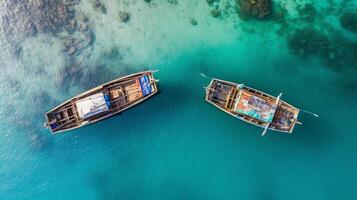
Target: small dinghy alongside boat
<point>101,102</point>
<point>253,106</point>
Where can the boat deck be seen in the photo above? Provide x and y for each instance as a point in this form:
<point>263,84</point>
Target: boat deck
<point>252,106</point>
<point>101,102</point>
<point>256,107</point>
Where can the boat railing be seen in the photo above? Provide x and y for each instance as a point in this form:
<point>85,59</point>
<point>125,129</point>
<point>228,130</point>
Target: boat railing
<point>124,82</point>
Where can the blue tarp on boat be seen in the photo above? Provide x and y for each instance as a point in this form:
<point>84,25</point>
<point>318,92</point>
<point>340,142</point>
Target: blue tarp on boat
<point>91,105</point>
<point>53,126</point>
<point>107,100</point>
<point>145,85</point>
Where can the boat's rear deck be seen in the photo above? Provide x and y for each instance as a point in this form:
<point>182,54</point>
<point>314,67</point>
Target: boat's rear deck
<point>285,118</point>
<point>66,117</point>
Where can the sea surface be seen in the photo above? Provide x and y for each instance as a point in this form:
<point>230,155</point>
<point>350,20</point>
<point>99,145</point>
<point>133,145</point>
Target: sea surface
<point>176,145</point>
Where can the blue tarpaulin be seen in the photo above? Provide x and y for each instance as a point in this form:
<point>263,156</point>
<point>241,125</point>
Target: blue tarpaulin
<point>107,100</point>
<point>53,126</point>
<point>145,85</point>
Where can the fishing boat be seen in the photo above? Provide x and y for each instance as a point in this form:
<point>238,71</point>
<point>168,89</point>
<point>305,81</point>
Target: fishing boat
<point>253,106</point>
<point>102,102</point>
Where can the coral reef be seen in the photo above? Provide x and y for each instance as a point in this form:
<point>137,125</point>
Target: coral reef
<point>337,53</point>
<point>215,13</point>
<point>348,21</point>
<point>254,9</point>
<point>99,6</point>
<point>308,13</point>
<point>124,16</point>
<point>193,22</point>
<point>305,42</point>
<point>29,17</point>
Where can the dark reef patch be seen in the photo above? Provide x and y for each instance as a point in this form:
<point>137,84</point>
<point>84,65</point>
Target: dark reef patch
<point>254,9</point>
<point>308,13</point>
<point>336,52</point>
<point>28,18</point>
<point>173,2</point>
<point>305,42</point>
<point>71,74</point>
<point>193,22</point>
<point>216,13</point>
<point>124,16</point>
<point>72,44</point>
<point>113,53</point>
<point>99,6</point>
<point>343,54</point>
<point>348,21</point>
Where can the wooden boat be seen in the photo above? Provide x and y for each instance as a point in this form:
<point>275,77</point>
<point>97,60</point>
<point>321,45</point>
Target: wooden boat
<point>253,106</point>
<point>101,102</point>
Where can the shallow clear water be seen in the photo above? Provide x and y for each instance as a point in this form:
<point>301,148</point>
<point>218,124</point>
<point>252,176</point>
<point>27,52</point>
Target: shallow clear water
<point>175,145</point>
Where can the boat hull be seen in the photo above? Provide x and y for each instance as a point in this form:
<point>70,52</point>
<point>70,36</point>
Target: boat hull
<point>116,96</point>
<point>278,115</point>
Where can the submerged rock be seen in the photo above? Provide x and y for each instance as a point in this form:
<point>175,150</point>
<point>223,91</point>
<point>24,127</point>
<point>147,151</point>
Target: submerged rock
<point>174,2</point>
<point>193,22</point>
<point>210,2</point>
<point>256,9</point>
<point>215,13</point>
<point>100,6</point>
<point>124,16</point>
<point>348,21</point>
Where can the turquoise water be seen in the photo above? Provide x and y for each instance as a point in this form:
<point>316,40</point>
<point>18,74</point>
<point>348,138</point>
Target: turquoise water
<point>175,145</point>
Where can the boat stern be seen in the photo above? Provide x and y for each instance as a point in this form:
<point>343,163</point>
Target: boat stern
<point>285,118</point>
<point>209,89</point>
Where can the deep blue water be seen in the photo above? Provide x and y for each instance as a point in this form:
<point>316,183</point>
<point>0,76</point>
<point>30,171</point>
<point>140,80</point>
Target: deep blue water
<point>175,145</point>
